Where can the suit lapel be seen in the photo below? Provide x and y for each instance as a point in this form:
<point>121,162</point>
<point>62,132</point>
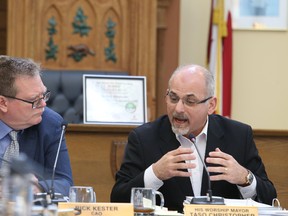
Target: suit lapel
<point>214,139</point>
<point>169,141</point>
<point>214,136</point>
<point>28,142</point>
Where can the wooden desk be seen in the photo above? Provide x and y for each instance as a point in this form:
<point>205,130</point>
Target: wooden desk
<point>90,153</point>
<point>273,149</point>
<point>89,147</point>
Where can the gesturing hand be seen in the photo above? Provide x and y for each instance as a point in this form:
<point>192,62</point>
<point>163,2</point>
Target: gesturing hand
<point>173,164</point>
<point>36,186</point>
<point>228,168</point>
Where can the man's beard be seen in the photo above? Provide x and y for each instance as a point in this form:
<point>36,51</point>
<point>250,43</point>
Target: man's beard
<point>181,131</point>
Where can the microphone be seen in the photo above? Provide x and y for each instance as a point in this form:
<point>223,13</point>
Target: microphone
<point>208,199</point>
<point>49,195</point>
<point>51,191</point>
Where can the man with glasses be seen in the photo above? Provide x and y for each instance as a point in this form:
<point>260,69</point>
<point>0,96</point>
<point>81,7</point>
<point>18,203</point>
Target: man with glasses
<point>162,154</point>
<point>37,129</point>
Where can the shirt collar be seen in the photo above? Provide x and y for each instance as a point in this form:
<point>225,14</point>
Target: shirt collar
<point>4,129</point>
<point>205,129</point>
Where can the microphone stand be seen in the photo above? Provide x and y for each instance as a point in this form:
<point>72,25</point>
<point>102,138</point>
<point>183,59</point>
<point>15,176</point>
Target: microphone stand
<point>51,191</point>
<point>208,199</point>
<point>51,197</point>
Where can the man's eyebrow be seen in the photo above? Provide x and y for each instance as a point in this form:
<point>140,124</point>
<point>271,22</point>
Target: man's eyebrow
<point>172,92</point>
<point>191,95</point>
<point>187,95</point>
<point>39,95</point>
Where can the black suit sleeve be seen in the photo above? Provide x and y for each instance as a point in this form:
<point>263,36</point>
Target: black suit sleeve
<point>266,191</point>
<point>131,173</point>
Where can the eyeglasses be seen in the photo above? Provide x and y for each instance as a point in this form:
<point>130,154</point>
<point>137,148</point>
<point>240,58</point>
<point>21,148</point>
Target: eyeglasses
<point>187,100</point>
<point>35,103</point>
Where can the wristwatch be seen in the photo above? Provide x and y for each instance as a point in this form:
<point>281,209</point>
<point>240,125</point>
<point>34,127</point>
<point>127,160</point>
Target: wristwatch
<point>249,179</point>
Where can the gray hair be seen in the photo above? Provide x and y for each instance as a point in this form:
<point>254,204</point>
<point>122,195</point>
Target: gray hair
<point>13,67</point>
<point>209,77</point>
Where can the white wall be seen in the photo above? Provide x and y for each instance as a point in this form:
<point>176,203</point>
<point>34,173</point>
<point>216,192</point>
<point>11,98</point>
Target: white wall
<point>194,25</point>
<point>260,66</point>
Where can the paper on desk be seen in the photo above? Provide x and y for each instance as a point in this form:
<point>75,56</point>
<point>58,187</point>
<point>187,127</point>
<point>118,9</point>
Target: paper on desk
<point>244,202</point>
<point>164,211</point>
<point>235,202</point>
<point>263,209</point>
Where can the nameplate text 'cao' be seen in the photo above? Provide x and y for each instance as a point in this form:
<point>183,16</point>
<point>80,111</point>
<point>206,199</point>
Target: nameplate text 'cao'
<point>219,210</point>
<point>100,209</point>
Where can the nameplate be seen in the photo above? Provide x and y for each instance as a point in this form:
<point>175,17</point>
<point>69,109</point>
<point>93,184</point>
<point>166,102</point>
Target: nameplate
<point>219,210</point>
<point>100,209</point>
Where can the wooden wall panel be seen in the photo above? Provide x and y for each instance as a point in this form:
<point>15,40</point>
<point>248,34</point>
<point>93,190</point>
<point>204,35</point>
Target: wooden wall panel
<point>125,29</point>
<point>96,15</point>
<point>3,26</point>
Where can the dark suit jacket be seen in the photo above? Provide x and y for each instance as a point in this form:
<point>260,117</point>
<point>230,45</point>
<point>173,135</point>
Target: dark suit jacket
<point>40,143</point>
<point>149,142</point>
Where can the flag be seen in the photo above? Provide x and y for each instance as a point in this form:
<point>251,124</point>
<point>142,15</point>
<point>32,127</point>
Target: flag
<point>219,56</point>
<point>227,69</point>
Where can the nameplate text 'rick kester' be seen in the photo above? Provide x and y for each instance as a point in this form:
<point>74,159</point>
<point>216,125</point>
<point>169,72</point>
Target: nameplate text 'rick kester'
<point>100,209</point>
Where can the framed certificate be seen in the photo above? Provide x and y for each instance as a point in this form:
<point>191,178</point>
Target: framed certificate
<point>114,99</point>
<point>258,14</point>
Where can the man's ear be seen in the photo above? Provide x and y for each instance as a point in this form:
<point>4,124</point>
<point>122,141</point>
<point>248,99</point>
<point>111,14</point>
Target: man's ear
<point>3,104</point>
<point>212,105</point>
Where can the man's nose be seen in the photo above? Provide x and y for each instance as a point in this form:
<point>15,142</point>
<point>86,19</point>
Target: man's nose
<point>180,106</point>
